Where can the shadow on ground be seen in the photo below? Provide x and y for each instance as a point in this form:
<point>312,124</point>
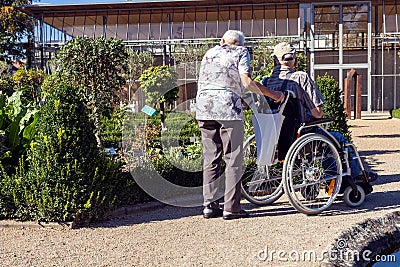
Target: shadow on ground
<point>379,136</point>
<point>375,201</point>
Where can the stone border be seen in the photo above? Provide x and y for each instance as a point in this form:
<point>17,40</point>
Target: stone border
<point>34,225</point>
<point>376,236</point>
<point>122,211</point>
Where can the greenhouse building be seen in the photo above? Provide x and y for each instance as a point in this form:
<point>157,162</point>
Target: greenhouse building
<point>336,36</point>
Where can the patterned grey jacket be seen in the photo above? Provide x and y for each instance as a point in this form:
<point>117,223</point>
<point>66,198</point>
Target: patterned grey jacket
<point>219,86</point>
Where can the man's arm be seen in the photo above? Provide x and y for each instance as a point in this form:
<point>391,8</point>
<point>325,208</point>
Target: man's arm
<point>258,88</point>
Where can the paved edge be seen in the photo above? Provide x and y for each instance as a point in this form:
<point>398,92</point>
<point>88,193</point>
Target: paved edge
<point>122,211</point>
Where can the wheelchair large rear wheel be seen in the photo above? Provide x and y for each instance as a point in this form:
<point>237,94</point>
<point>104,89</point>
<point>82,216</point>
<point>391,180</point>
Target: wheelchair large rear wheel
<point>312,173</point>
<point>261,185</point>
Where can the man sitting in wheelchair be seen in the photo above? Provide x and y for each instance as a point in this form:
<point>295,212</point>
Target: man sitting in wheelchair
<point>308,104</point>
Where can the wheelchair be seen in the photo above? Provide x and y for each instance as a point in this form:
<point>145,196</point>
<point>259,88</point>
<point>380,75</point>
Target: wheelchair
<point>302,160</point>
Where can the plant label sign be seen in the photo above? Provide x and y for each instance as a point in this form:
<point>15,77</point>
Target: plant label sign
<point>149,110</point>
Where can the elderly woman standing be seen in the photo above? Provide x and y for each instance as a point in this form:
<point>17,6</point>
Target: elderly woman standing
<point>224,76</point>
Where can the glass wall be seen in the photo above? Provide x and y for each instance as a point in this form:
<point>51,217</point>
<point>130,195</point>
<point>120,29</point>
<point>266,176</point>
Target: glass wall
<point>180,23</point>
<point>339,31</point>
<point>326,25</point>
<point>355,33</point>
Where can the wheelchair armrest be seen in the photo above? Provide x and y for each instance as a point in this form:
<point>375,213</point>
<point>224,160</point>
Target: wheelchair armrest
<point>318,121</point>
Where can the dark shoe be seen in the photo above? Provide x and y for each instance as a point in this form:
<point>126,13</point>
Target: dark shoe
<point>235,215</point>
<point>212,212</point>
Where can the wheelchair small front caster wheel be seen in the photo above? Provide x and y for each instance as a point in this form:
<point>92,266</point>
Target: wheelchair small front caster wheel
<point>354,199</point>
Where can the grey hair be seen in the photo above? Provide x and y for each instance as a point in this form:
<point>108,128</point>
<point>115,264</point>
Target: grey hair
<point>234,37</point>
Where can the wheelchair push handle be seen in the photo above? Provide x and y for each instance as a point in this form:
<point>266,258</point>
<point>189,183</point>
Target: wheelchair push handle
<point>288,94</point>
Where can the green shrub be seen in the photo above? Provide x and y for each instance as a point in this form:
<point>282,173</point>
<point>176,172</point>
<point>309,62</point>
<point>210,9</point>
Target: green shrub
<point>64,176</point>
<point>333,106</point>
<point>395,113</point>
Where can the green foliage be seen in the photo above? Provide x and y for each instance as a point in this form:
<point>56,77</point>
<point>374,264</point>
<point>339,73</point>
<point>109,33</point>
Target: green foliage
<point>180,127</point>
<point>248,124</point>
<point>112,127</point>
<point>29,81</point>
<point>17,124</point>
<point>14,26</point>
<point>188,158</point>
<point>395,113</point>
<point>333,106</point>
<point>6,82</point>
<point>65,177</point>
<point>96,66</point>
<point>262,61</point>
<point>301,62</point>
<point>159,84</point>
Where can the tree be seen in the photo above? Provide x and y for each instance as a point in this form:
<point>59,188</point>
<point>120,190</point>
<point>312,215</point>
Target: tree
<point>137,63</point>
<point>159,84</point>
<point>262,61</point>
<point>14,27</point>
<point>97,67</point>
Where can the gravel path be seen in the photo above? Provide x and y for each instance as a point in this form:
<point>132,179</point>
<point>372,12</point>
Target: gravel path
<point>172,236</point>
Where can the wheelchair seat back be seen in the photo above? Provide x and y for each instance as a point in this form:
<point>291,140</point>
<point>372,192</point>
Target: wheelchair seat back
<point>290,125</point>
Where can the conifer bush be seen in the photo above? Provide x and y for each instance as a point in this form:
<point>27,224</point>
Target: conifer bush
<point>333,107</point>
<point>64,176</point>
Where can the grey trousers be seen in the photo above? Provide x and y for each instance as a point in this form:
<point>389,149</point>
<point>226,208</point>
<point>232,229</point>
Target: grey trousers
<point>222,138</point>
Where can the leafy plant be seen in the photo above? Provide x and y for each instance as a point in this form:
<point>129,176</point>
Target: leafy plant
<point>17,122</point>
<point>96,66</point>
<point>112,127</point>
<point>6,82</point>
<point>333,107</point>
